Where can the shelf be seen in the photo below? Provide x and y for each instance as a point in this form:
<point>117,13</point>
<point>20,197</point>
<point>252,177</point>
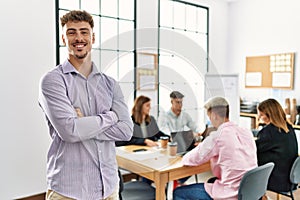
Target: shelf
<point>256,120</point>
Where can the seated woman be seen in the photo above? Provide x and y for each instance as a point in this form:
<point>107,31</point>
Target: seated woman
<point>276,142</point>
<point>145,130</point>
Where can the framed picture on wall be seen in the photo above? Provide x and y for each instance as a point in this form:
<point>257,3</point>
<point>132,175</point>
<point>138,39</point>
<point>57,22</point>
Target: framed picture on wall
<point>146,80</point>
<point>146,71</point>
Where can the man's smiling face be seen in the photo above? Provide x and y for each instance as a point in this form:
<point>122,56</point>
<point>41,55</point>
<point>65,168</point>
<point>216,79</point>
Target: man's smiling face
<point>78,37</point>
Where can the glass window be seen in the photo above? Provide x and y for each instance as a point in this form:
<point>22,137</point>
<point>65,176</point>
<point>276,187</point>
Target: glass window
<point>69,4</point>
<point>109,8</point>
<point>97,31</point>
<point>109,33</point>
<point>179,15</point>
<point>96,57</point>
<point>126,36</point>
<point>109,63</point>
<point>167,18</point>
<point>202,20</point>
<point>191,18</point>
<point>126,72</point>
<point>126,9</point>
<point>183,50</point>
<point>93,6</point>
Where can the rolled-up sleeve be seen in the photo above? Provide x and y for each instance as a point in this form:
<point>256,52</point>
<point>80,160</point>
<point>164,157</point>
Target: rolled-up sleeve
<point>202,153</point>
<point>123,129</point>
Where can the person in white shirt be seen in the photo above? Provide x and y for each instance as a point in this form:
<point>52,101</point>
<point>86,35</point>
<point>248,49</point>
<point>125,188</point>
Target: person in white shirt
<point>176,119</point>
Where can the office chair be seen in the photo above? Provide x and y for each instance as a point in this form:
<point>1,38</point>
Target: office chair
<point>294,179</point>
<point>254,183</point>
<point>135,190</point>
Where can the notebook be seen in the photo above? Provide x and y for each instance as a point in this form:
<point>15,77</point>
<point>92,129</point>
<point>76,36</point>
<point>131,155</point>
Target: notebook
<point>185,141</point>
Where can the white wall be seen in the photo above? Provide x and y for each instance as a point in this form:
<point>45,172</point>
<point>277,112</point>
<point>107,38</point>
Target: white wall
<point>262,27</point>
<point>27,40</point>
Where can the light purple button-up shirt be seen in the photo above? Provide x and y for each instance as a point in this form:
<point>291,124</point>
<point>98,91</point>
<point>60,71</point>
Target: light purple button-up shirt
<point>81,159</point>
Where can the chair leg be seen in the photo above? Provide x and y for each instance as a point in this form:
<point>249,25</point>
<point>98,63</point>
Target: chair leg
<point>166,190</point>
<point>196,178</point>
<point>292,195</point>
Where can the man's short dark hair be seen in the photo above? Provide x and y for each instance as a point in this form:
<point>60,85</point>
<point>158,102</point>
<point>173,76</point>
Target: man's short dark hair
<point>218,105</point>
<point>77,16</point>
<point>176,95</point>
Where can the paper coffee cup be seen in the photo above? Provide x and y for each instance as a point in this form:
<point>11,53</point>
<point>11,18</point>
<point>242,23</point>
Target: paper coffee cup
<point>164,141</point>
<point>172,148</point>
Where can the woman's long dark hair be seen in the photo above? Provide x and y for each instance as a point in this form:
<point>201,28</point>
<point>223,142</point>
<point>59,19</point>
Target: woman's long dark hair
<point>137,109</point>
<point>273,110</point>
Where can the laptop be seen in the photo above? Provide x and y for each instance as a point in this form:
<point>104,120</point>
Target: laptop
<point>185,141</point>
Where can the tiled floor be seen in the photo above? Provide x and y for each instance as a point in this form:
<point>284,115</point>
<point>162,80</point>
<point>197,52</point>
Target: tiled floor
<point>273,196</point>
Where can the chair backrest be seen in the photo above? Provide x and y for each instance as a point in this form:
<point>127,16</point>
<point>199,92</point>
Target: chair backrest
<point>295,171</point>
<point>254,182</point>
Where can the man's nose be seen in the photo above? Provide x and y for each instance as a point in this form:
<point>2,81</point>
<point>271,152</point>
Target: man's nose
<point>78,37</point>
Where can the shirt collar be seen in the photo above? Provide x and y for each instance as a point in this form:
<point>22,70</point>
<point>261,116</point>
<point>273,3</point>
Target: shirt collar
<point>67,67</point>
<point>225,124</point>
<point>173,114</point>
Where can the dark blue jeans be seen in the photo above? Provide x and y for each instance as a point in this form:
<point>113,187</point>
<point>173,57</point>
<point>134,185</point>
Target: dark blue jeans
<point>191,192</point>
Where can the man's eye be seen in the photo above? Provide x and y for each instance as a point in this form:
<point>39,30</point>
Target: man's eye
<point>71,33</point>
<point>84,33</point>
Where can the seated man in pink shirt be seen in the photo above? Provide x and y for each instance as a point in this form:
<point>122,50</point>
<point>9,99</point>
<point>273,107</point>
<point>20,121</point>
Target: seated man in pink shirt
<point>231,151</point>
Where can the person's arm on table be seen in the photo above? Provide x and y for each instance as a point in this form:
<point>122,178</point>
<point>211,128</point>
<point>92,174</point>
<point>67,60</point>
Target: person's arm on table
<point>163,124</point>
<point>201,153</point>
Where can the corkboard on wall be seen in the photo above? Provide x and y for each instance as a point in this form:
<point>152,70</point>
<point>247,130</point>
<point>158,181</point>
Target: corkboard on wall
<point>270,71</point>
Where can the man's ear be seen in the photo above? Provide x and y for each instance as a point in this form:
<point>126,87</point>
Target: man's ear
<point>63,39</point>
<point>213,115</point>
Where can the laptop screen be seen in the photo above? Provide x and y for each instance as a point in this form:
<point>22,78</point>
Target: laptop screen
<point>184,139</point>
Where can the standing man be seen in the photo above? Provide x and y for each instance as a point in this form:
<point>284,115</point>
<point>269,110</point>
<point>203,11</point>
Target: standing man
<point>175,119</point>
<point>231,151</point>
<point>86,114</point>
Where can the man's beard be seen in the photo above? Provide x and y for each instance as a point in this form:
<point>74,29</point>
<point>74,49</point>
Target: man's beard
<point>81,56</point>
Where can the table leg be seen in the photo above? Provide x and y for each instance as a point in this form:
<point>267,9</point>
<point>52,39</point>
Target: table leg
<point>160,180</point>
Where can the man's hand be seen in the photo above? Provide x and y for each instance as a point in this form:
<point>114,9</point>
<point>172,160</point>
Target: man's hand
<point>150,143</point>
<point>78,112</point>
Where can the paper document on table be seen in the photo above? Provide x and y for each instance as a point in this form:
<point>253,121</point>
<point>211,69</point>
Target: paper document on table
<point>141,155</point>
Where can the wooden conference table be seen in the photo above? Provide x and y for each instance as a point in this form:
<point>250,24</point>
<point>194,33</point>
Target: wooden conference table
<point>156,165</point>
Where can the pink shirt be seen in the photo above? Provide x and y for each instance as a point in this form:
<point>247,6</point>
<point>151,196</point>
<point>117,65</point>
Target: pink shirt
<point>231,151</point>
